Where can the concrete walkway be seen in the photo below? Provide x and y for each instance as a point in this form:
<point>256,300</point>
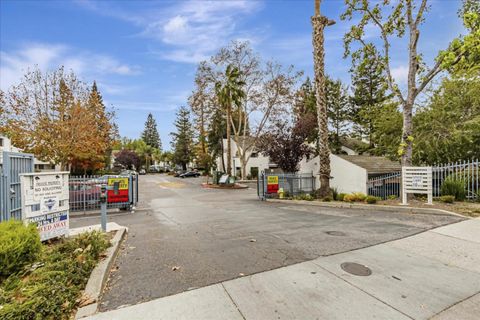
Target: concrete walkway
<point>432,275</point>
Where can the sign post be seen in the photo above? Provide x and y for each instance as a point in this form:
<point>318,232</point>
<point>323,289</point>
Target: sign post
<point>417,180</point>
<point>45,201</point>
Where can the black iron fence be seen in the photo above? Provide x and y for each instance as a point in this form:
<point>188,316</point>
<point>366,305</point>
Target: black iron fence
<point>385,186</point>
<point>269,184</point>
<point>84,192</point>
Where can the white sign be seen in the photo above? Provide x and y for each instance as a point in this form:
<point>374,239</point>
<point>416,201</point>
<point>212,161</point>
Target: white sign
<point>47,186</point>
<point>417,180</point>
<point>45,201</point>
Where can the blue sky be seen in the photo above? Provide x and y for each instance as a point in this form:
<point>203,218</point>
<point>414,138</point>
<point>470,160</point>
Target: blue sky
<point>143,54</point>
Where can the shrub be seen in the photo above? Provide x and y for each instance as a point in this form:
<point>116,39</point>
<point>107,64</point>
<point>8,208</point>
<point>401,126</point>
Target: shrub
<point>304,196</point>
<point>371,199</point>
<point>19,246</point>
<point>340,196</point>
<point>52,289</point>
<point>447,199</point>
<point>392,197</point>
<point>453,187</point>
<point>349,198</point>
<point>327,199</point>
<point>358,196</point>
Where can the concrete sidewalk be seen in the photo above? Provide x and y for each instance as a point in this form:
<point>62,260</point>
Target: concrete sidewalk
<point>432,275</point>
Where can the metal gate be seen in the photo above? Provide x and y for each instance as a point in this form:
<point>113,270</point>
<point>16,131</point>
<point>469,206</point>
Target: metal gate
<point>12,165</point>
<point>292,184</point>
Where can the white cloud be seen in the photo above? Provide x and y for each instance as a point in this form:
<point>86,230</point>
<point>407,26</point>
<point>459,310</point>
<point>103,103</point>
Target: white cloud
<point>400,74</point>
<point>191,30</point>
<point>14,64</point>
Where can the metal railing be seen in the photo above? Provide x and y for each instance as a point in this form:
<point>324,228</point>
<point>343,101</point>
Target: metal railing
<point>466,171</point>
<point>291,183</point>
<point>84,192</point>
<point>385,186</point>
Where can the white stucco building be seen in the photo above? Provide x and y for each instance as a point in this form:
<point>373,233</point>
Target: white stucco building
<point>349,172</point>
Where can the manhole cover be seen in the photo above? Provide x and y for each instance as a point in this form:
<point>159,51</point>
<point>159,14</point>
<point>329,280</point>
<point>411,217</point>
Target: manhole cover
<point>335,233</point>
<point>356,269</point>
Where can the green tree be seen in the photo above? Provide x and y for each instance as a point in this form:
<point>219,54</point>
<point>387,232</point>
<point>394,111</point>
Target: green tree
<point>397,19</point>
<point>369,93</point>
<point>387,131</point>
<point>182,139</point>
<point>150,133</point>
<point>338,111</point>
<point>230,94</point>
<point>448,128</point>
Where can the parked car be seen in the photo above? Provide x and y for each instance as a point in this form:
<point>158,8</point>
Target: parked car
<point>128,173</point>
<point>142,172</point>
<point>83,194</point>
<point>178,173</point>
<point>190,174</point>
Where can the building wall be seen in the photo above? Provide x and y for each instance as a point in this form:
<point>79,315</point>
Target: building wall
<point>259,161</point>
<point>346,176</point>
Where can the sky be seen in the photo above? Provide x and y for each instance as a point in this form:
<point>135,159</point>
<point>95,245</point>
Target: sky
<point>143,54</point>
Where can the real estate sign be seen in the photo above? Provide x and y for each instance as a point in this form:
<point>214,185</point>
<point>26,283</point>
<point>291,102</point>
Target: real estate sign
<point>272,184</point>
<point>45,202</point>
<point>416,180</point>
<point>118,190</point>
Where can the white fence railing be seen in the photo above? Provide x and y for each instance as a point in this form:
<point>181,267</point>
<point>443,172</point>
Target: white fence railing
<point>467,171</point>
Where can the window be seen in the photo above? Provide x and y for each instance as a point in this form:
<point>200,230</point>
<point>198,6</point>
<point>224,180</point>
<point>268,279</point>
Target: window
<point>1,142</point>
<point>254,172</point>
<point>254,155</point>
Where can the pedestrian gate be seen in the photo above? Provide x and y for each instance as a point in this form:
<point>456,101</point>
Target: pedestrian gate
<point>11,166</point>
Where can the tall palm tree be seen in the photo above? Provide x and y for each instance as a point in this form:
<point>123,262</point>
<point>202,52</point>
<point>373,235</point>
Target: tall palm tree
<point>319,23</point>
<point>230,93</point>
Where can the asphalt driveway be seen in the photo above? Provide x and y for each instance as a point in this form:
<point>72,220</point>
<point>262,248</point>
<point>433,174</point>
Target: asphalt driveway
<point>184,236</point>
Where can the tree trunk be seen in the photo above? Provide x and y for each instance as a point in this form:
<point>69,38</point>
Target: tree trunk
<point>243,165</point>
<point>222,154</point>
<point>318,23</point>
<point>229,144</point>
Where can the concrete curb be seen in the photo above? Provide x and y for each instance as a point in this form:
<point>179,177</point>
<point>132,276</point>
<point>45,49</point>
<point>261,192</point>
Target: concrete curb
<point>99,276</point>
<point>359,206</point>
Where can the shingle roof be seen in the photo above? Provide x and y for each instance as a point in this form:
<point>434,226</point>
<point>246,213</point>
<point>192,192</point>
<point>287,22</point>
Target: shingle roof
<point>373,165</point>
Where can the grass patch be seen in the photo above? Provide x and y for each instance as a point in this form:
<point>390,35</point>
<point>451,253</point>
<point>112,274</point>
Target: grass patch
<point>50,287</point>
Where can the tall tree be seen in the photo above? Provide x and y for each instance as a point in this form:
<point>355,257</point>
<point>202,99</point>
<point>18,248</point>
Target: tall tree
<point>369,92</point>
<point>53,116</point>
<point>338,111</point>
<point>319,23</point>
<point>395,19</point>
<point>150,133</point>
<point>229,95</point>
<point>448,128</point>
<point>268,93</point>
<point>182,139</point>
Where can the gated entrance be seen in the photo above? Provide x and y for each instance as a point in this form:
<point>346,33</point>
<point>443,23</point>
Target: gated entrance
<point>11,166</point>
<point>268,184</point>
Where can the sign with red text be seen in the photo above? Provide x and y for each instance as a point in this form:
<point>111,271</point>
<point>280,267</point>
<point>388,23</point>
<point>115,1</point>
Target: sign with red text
<point>118,190</point>
<point>272,184</point>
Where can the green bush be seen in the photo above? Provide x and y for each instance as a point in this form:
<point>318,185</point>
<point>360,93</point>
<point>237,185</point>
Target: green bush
<point>371,199</point>
<point>52,289</point>
<point>349,198</point>
<point>340,196</point>
<point>447,199</point>
<point>19,246</point>
<point>392,197</point>
<point>453,187</point>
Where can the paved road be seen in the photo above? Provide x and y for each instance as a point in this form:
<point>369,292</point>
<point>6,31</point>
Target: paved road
<point>218,235</point>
